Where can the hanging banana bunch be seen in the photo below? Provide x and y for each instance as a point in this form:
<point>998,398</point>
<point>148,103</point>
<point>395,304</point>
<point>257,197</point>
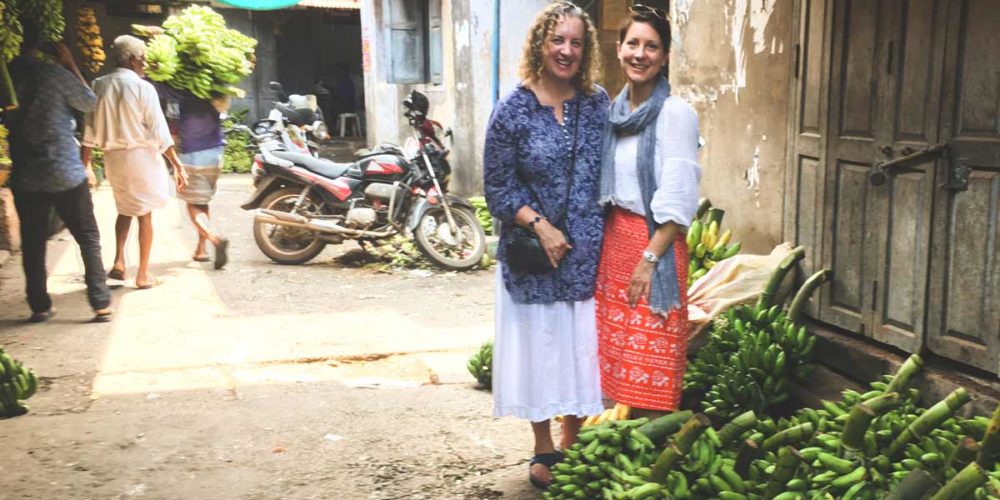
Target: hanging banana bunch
<point>89,39</point>
<point>46,15</point>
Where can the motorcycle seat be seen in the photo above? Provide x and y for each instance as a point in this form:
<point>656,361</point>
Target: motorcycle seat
<point>326,168</point>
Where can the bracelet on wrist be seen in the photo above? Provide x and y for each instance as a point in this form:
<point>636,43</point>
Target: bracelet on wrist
<point>537,219</point>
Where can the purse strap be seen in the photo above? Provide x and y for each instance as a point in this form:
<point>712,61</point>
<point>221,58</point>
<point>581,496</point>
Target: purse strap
<point>572,169</point>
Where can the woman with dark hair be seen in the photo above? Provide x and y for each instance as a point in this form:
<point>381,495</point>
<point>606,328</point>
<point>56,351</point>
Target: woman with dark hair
<point>541,162</point>
<point>649,181</point>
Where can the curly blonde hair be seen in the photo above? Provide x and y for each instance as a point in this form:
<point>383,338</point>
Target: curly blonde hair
<point>543,27</point>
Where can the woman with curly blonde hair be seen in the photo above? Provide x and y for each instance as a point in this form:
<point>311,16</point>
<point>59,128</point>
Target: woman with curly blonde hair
<point>541,169</point>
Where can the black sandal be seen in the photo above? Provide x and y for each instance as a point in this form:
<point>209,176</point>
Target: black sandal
<point>101,317</point>
<point>549,460</point>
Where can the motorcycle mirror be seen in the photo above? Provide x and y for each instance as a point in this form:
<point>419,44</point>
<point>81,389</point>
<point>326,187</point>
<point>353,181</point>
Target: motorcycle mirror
<point>448,133</point>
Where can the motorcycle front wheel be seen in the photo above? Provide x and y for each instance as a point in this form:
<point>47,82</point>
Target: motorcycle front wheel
<point>284,244</point>
<point>457,252</point>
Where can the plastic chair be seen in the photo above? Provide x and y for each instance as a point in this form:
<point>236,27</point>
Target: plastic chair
<point>352,120</point>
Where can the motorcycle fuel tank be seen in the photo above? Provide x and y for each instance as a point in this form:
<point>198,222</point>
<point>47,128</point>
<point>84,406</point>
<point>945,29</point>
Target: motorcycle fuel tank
<point>387,167</point>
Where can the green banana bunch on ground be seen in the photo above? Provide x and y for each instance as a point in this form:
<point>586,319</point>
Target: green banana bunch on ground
<point>609,460</point>
<point>481,365</point>
<point>751,356</point>
<point>17,384</point>
<point>706,245</point>
<point>195,51</point>
<point>872,445</point>
<point>482,213</point>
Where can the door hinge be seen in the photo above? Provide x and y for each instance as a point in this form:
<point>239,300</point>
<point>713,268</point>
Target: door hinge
<point>874,293</point>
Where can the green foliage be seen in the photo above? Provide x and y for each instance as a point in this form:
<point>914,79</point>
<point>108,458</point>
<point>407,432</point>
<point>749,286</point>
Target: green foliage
<point>237,157</point>
<point>482,213</point>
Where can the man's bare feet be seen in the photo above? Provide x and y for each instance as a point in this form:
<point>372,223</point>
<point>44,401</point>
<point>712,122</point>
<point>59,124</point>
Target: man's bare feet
<point>146,282</point>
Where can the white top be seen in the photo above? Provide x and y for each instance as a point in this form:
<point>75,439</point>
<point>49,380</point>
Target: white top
<point>127,115</point>
<point>677,171</point>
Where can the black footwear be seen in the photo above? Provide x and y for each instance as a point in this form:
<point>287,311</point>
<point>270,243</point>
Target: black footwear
<point>221,253</point>
<point>41,317</point>
<point>548,460</point>
<point>102,317</point>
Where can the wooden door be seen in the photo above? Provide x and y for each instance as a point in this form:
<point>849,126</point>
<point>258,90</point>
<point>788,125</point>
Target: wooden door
<point>808,131</point>
<point>902,208</point>
<point>964,307</point>
<point>857,128</point>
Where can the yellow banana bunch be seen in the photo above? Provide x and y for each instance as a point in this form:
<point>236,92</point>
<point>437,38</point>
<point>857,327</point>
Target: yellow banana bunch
<point>619,412</point>
<point>706,247</point>
<point>88,39</point>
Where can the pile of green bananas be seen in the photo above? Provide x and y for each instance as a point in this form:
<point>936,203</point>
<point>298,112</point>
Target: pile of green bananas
<point>196,52</point>
<point>706,247</point>
<point>753,352</point>
<point>482,213</point>
<point>880,444</point>
<point>17,384</point>
<point>481,365</point>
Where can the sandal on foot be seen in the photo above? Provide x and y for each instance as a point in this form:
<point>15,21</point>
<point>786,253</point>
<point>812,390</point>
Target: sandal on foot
<point>548,460</point>
<point>102,317</point>
<point>200,258</point>
<point>116,274</point>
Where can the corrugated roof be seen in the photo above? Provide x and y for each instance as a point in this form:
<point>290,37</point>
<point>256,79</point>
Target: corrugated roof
<point>332,4</point>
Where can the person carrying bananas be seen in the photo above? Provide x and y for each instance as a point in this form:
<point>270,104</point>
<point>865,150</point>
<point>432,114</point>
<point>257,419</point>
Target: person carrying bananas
<point>129,126</point>
<point>649,183</point>
<point>199,129</point>
<point>48,172</point>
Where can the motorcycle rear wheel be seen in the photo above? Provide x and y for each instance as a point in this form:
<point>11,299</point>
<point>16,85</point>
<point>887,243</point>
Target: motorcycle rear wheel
<point>435,241</point>
<point>283,244</point>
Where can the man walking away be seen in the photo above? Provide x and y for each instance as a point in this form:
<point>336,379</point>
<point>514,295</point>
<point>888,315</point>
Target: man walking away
<point>129,126</point>
<point>48,171</point>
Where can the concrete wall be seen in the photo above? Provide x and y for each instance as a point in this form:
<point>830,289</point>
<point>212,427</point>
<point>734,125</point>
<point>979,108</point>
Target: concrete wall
<point>464,100</point>
<point>732,60</point>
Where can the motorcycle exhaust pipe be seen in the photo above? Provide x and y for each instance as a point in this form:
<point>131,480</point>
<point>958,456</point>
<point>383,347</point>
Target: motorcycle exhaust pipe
<point>323,226</point>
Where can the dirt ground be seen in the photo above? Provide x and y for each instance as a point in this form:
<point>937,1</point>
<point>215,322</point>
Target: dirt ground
<point>256,382</point>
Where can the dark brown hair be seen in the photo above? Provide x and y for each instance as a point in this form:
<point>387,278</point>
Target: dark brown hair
<point>659,24</point>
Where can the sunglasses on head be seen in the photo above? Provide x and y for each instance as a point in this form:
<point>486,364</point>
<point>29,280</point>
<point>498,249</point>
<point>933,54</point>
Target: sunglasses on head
<point>645,9</point>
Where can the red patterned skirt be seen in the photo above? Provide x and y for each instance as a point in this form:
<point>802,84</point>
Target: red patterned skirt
<point>642,355</point>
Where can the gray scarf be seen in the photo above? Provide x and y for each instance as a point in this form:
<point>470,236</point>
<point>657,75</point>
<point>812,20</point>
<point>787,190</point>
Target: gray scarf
<point>665,293</point>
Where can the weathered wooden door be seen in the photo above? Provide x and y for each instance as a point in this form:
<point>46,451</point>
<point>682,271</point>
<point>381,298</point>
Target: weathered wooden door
<point>875,71</point>
<point>964,307</point>
<point>903,204</point>
<point>856,132</point>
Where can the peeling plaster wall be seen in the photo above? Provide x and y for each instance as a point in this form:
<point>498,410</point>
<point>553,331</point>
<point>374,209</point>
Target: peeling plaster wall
<point>732,60</point>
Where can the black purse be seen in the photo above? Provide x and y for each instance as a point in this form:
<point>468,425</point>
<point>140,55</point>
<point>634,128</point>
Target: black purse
<point>524,253</point>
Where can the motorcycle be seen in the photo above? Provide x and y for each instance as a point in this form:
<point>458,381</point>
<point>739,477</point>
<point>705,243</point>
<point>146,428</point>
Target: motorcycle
<point>302,203</point>
<point>302,111</point>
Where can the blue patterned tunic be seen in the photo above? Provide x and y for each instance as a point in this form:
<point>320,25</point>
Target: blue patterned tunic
<point>524,141</point>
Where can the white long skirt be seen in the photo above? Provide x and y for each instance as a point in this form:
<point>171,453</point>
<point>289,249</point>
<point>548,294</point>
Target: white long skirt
<point>138,179</point>
<point>544,358</point>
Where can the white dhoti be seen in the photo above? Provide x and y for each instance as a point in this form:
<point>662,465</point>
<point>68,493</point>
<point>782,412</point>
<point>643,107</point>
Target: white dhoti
<point>139,180</point>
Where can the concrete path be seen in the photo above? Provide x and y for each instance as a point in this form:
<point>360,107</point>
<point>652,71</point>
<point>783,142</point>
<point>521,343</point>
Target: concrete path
<point>259,381</point>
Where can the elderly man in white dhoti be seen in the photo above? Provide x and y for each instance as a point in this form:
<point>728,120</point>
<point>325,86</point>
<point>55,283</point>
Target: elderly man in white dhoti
<point>129,126</point>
